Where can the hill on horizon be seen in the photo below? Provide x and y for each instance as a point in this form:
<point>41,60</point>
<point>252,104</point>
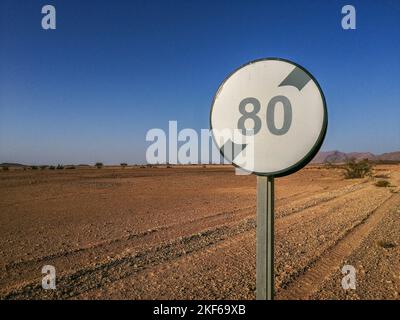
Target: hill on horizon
<point>340,157</point>
<point>6,164</point>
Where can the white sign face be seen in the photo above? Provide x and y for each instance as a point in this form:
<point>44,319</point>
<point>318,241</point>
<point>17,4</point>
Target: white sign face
<point>269,117</point>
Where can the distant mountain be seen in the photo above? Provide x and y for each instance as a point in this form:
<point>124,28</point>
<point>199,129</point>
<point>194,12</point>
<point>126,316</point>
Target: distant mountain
<point>338,157</point>
<point>5,164</point>
<point>361,155</point>
<point>330,156</point>
<point>390,156</point>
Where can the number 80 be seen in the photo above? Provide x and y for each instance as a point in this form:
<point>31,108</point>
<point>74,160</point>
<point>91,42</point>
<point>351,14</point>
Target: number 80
<point>287,119</point>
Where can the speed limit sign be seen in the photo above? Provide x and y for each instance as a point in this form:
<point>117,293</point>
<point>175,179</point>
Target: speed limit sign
<point>279,108</point>
<point>268,117</point>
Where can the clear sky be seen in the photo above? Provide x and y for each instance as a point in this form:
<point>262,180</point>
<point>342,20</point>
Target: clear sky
<point>91,89</point>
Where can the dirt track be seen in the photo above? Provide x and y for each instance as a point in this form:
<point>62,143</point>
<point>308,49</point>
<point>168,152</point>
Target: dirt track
<point>189,232</point>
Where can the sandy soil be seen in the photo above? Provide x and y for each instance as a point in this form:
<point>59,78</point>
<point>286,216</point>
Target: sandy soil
<point>189,233</point>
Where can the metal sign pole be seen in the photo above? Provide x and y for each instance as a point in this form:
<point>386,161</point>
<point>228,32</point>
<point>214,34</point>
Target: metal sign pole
<point>265,238</point>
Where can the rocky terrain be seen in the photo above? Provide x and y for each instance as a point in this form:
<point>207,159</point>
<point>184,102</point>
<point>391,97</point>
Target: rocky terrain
<point>189,233</point>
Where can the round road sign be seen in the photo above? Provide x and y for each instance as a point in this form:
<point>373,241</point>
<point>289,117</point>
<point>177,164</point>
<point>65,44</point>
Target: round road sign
<point>269,117</point>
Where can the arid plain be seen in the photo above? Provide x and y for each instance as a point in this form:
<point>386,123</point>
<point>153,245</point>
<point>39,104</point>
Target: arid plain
<point>188,232</point>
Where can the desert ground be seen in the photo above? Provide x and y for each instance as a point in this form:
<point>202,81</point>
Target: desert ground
<point>188,232</point>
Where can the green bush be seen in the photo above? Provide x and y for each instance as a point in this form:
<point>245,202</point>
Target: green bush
<point>355,170</point>
<point>123,164</point>
<point>99,165</point>
<point>52,167</point>
<point>60,167</point>
<point>34,167</point>
<point>382,183</point>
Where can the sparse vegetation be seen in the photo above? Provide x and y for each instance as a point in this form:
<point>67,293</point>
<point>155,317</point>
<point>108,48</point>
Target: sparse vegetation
<point>386,244</point>
<point>43,167</point>
<point>52,167</point>
<point>5,168</point>
<point>382,183</point>
<point>382,176</point>
<point>99,165</point>
<point>70,167</point>
<point>356,170</point>
<point>60,167</point>
<point>34,167</point>
<point>123,165</point>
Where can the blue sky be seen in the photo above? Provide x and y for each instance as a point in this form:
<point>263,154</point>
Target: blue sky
<point>91,89</point>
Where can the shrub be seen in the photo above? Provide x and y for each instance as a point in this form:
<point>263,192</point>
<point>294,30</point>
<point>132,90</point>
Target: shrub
<point>34,167</point>
<point>386,244</point>
<point>123,164</point>
<point>60,167</point>
<point>329,165</point>
<point>382,183</point>
<point>52,167</point>
<point>5,168</point>
<point>70,167</point>
<point>382,176</point>
<point>99,165</point>
<point>354,169</point>
<point>43,167</point>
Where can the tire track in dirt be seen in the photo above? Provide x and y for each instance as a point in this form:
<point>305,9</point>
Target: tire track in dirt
<point>314,274</point>
<point>151,255</point>
<point>97,275</point>
<point>316,200</point>
<point>26,269</point>
<point>301,215</point>
<point>302,238</point>
<point>240,213</point>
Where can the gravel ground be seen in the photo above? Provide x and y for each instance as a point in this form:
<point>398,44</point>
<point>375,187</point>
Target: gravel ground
<point>189,233</point>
